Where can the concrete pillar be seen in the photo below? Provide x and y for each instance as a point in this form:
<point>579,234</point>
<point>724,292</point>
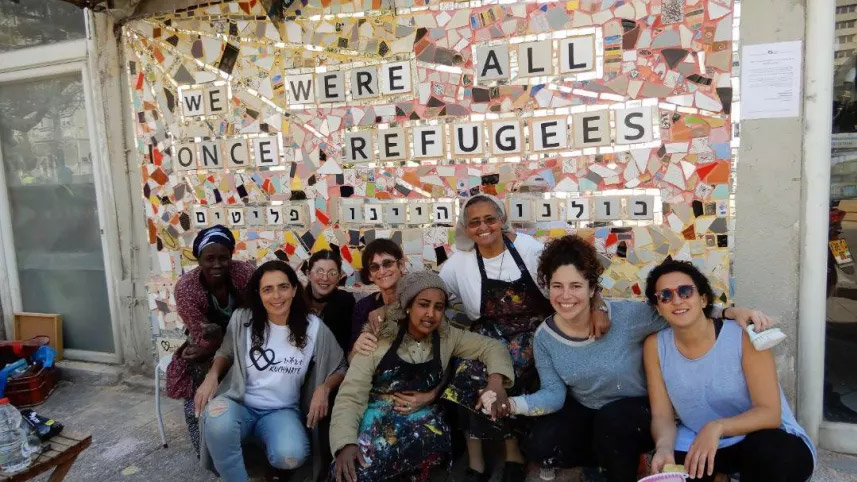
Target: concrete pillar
<point>768,195</point>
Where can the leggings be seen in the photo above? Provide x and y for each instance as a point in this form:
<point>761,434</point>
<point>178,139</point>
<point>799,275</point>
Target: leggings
<point>192,424</point>
<point>763,456</point>
<point>611,437</point>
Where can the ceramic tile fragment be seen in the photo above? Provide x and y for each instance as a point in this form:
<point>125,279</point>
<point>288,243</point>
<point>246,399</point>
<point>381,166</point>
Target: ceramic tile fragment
<point>659,51</point>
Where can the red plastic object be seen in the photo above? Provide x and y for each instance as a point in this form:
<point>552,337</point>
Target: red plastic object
<point>31,388</point>
<point>13,350</point>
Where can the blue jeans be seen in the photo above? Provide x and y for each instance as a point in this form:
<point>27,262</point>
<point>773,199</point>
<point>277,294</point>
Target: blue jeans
<point>228,423</point>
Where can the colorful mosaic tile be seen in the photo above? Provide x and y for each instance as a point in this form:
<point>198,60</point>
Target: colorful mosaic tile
<point>335,122</point>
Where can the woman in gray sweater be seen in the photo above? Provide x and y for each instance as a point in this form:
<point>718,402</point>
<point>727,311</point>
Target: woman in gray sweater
<point>280,365</point>
<point>591,409</point>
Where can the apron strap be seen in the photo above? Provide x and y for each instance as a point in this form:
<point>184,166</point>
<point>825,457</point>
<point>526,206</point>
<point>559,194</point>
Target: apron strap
<point>391,352</point>
<point>481,264</point>
<point>522,267</point>
<point>435,348</point>
<point>509,246</point>
<point>525,272</point>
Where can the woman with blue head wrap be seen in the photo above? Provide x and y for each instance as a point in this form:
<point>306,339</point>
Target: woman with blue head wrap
<point>205,297</point>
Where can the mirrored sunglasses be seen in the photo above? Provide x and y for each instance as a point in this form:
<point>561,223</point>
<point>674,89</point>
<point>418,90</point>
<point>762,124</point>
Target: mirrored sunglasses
<point>684,292</point>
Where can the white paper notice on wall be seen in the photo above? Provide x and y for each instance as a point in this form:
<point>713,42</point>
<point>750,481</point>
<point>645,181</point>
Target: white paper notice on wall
<point>771,80</point>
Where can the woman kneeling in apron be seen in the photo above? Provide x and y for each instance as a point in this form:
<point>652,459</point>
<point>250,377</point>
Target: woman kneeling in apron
<point>376,432</point>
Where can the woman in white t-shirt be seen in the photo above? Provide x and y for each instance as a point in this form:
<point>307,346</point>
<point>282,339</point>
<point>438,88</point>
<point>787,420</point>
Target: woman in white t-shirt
<point>493,272</point>
<point>281,363</point>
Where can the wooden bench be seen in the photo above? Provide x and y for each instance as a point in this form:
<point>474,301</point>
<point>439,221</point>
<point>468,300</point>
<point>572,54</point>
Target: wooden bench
<point>59,451</point>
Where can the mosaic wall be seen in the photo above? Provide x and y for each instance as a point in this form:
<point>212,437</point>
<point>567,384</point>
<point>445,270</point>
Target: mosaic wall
<point>312,125</point>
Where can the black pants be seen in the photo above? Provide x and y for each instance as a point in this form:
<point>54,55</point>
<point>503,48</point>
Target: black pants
<point>763,456</point>
<point>612,437</point>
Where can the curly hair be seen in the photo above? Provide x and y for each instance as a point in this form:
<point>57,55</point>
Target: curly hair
<point>700,281</point>
<point>298,311</point>
<point>570,249</point>
<point>378,246</point>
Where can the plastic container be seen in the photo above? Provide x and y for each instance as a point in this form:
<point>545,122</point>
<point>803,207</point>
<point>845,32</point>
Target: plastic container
<point>664,478</point>
<point>19,444</point>
<point>32,387</point>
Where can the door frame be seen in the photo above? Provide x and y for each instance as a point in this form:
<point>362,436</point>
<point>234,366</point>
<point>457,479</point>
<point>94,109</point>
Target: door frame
<point>41,62</point>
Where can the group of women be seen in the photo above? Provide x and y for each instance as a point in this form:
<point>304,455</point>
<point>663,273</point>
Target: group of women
<point>565,378</point>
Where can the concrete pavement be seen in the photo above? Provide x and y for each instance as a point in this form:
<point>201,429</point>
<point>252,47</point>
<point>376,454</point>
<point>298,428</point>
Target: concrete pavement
<point>126,446</point>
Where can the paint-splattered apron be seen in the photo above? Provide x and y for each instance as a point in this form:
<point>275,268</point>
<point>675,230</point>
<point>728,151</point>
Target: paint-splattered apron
<point>403,446</point>
<point>510,312</point>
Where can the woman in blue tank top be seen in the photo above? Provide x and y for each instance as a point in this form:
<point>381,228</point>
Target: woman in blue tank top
<point>733,417</point>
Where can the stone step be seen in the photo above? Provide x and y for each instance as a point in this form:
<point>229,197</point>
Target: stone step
<point>89,373</point>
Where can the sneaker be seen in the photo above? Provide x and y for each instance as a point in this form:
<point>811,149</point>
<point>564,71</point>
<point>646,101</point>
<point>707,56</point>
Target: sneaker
<point>471,475</point>
<point>547,473</point>
<point>514,472</point>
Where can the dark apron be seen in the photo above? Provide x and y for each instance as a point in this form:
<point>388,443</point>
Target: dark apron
<point>510,312</point>
<point>403,446</point>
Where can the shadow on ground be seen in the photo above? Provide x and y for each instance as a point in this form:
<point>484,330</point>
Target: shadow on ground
<point>126,445</point>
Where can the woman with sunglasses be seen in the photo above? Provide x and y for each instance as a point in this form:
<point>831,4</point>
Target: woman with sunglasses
<point>325,299</point>
<point>272,377</point>
<point>383,265</point>
<point>378,435</point>
<point>732,414</point>
<point>591,409</point>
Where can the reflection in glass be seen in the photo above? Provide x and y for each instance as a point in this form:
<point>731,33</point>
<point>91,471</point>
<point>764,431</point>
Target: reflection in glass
<point>27,23</point>
<point>840,384</point>
<point>50,183</point>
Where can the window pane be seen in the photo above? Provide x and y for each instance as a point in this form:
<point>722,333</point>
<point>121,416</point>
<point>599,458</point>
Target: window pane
<point>51,188</point>
<point>840,383</point>
<point>38,22</point>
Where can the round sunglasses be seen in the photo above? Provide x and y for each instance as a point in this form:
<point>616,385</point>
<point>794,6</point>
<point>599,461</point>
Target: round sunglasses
<point>684,292</point>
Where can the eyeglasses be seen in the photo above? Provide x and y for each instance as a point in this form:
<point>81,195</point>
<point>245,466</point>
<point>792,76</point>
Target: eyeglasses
<point>386,264</point>
<point>488,220</point>
<point>321,273</point>
<point>684,292</point>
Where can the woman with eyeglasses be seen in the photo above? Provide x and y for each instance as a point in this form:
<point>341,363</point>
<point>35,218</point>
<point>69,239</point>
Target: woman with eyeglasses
<point>376,434</point>
<point>591,410</point>
<point>383,265</point>
<point>732,414</point>
<point>205,296</point>
<point>492,273</point>
<point>272,378</point>
<point>325,299</point>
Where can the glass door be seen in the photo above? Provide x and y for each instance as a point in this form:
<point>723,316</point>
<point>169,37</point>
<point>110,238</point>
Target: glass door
<point>51,199</point>
<point>840,378</point>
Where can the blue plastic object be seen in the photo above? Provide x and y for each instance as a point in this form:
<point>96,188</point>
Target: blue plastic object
<point>45,355</point>
<point>8,370</point>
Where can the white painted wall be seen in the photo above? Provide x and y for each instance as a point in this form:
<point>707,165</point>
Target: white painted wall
<point>135,335</point>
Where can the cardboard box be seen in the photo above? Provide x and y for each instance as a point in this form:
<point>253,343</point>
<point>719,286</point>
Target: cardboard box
<point>28,325</point>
